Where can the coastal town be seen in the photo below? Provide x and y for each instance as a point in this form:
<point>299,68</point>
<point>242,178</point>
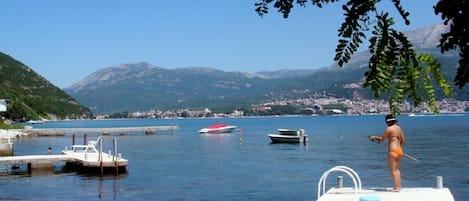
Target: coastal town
<point>305,106</point>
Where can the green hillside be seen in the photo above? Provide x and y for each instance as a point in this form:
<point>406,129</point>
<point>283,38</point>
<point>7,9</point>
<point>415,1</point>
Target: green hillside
<point>30,96</point>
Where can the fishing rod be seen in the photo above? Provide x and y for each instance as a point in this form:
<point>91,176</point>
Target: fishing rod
<point>409,156</point>
<point>406,155</point>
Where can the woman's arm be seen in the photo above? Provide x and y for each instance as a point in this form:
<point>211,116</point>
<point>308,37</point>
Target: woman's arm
<point>380,138</point>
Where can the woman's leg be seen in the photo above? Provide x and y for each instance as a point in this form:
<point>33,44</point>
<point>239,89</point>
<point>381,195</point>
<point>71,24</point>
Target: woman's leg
<point>393,164</point>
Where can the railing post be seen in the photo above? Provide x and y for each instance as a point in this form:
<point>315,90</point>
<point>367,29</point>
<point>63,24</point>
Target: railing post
<point>439,182</point>
<point>30,168</point>
<point>101,155</point>
<point>115,156</point>
<point>340,181</point>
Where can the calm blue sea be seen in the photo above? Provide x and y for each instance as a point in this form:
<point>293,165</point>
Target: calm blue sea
<point>185,165</point>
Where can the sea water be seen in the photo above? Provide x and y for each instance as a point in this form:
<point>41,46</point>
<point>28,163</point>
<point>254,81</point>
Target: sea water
<point>245,165</point>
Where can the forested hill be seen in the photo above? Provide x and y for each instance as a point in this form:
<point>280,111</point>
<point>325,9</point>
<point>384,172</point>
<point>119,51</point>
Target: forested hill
<point>30,96</point>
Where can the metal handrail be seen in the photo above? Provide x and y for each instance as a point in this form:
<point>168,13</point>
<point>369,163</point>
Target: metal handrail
<point>349,171</point>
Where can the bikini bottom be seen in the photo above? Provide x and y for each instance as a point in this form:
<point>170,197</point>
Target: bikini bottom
<point>398,152</point>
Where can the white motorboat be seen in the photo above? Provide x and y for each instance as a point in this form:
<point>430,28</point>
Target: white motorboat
<point>289,136</point>
<point>35,122</point>
<point>218,128</point>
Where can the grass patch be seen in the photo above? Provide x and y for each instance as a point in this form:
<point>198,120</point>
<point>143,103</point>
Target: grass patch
<point>9,126</point>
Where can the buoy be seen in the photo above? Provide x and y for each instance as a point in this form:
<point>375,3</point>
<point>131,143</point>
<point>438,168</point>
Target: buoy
<point>240,140</point>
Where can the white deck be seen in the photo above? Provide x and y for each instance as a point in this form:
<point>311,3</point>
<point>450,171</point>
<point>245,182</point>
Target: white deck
<point>406,194</point>
<point>18,160</point>
<point>92,159</point>
<point>87,160</point>
<point>89,156</point>
<point>86,156</point>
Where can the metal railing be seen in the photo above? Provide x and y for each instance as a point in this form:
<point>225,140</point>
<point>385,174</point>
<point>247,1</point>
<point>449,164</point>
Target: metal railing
<point>349,171</point>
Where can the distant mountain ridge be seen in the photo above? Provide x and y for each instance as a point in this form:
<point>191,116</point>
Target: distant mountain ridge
<point>143,86</point>
<point>110,75</point>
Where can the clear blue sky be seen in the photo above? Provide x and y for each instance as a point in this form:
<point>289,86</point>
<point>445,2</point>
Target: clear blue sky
<point>65,41</point>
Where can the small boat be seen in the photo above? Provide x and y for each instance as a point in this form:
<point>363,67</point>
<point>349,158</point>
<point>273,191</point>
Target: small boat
<point>35,122</point>
<point>289,136</point>
<point>218,128</point>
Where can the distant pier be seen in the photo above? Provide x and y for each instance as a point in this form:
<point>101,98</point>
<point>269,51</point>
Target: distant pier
<point>148,130</point>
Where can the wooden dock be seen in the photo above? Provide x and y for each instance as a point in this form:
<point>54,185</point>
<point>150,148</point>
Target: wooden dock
<point>148,130</point>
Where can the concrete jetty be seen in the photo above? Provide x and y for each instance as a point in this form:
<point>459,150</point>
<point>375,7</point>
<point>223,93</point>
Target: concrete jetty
<point>86,158</point>
<point>34,161</point>
<point>148,130</point>
<point>6,148</point>
<point>406,194</point>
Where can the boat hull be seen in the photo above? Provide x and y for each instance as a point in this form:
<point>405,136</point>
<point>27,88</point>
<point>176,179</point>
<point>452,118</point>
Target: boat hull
<point>287,138</point>
<point>225,129</point>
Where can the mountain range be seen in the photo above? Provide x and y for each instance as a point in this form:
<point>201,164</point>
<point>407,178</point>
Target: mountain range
<point>143,86</point>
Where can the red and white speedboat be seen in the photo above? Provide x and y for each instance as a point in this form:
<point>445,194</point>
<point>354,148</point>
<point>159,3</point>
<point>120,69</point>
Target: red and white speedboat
<point>218,128</point>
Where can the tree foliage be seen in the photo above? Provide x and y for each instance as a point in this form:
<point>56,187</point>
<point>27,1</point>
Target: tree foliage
<point>455,13</point>
<point>395,68</point>
<point>31,97</point>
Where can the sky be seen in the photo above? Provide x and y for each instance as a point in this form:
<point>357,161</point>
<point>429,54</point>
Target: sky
<point>65,41</point>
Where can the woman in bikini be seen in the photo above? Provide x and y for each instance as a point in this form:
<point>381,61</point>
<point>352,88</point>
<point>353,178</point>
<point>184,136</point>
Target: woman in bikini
<point>396,140</point>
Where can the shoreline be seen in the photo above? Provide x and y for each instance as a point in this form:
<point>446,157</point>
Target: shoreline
<point>267,116</point>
